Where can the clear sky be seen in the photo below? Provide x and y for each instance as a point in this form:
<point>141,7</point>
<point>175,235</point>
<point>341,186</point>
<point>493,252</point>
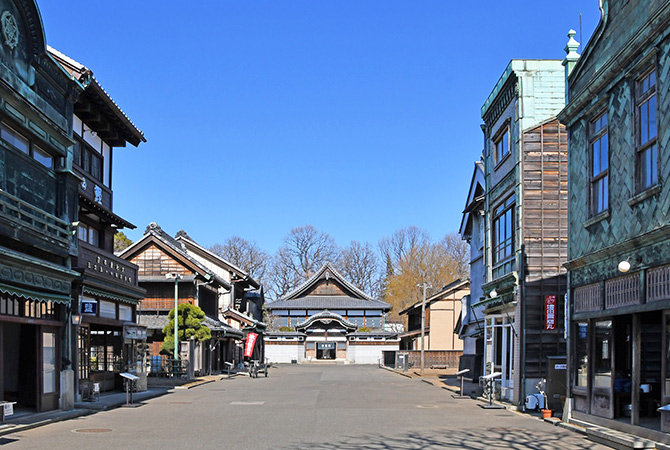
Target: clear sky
<point>358,117</point>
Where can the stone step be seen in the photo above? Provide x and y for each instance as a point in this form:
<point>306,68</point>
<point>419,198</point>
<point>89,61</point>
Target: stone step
<point>618,439</point>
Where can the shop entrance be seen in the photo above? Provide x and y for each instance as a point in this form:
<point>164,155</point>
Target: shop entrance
<point>19,364</point>
<point>651,345</point>
<point>325,350</point>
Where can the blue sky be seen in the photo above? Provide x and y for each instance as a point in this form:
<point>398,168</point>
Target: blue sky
<point>357,117</point>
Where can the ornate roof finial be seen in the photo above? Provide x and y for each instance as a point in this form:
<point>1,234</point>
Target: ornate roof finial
<point>571,49</point>
<point>153,226</point>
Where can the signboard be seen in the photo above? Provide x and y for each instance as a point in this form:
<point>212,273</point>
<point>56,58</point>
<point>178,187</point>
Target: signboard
<point>249,346</point>
<point>89,306</point>
<point>560,366</point>
<point>325,345</point>
<point>133,332</point>
<point>8,408</point>
<point>549,312</point>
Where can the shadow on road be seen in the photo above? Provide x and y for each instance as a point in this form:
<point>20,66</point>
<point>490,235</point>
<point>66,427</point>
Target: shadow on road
<point>486,438</point>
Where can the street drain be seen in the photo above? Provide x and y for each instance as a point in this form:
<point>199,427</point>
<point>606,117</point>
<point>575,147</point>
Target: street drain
<point>93,430</point>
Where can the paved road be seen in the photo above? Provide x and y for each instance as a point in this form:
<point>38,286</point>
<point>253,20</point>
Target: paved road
<point>305,407</point>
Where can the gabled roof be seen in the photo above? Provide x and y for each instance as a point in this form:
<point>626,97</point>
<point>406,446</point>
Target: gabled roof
<point>356,298</point>
<point>475,196</point>
<point>450,288</point>
<point>184,238</point>
<point>326,316</point>
<point>154,234</point>
<point>326,271</point>
<point>94,94</point>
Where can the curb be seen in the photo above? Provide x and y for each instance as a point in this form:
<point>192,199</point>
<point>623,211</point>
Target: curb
<point>11,429</point>
<point>194,384</point>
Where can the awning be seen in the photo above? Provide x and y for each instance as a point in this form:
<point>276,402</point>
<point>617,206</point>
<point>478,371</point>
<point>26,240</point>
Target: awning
<point>109,295</point>
<point>35,296</point>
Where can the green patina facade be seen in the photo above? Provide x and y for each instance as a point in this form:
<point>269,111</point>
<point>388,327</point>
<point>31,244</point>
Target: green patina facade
<point>619,328</point>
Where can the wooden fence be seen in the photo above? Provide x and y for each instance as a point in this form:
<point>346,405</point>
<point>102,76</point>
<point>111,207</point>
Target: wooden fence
<point>437,359</point>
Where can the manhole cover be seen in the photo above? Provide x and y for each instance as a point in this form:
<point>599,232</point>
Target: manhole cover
<point>93,430</point>
<point>427,406</point>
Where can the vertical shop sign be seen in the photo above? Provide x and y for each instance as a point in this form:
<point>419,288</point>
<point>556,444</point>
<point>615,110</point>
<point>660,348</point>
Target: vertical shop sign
<point>249,347</point>
<point>549,312</point>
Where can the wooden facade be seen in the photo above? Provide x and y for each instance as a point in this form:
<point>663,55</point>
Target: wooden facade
<point>525,207</point>
<point>618,249</point>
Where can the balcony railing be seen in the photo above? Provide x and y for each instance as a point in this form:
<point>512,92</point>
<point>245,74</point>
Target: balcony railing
<point>26,216</point>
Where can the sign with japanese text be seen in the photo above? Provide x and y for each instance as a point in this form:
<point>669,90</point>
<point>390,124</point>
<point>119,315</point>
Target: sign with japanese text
<point>89,307</point>
<point>249,346</point>
<point>549,312</point>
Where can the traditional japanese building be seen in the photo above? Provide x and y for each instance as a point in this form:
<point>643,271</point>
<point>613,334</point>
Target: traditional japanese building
<point>106,293</point>
<point>471,329</point>
<point>38,206</point>
<point>328,318</point>
<point>164,262</point>
<point>442,319</point>
<point>618,118</point>
<point>525,206</point>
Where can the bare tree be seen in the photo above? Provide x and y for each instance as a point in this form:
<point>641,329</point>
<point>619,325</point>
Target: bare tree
<point>457,251</point>
<point>243,254</point>
<point>304,251</point>
<point>359,264</point>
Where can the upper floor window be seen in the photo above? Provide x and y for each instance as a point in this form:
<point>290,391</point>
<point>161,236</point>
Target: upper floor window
<point>599,165</point>
<point>646,127</point>
<point>88,159</point>
<point>502,145</point>
<point>19,142</point>
<point>504,225</point>
<point>88,234</point>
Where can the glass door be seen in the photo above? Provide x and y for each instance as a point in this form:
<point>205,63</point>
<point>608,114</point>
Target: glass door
<point>50,370</point>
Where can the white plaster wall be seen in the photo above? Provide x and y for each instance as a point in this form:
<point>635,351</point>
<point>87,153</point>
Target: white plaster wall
<point>369,354</point>
<point>285,353</point>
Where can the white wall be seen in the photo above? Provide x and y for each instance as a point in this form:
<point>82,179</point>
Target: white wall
<point>369,354</point>
<point>285,353</point>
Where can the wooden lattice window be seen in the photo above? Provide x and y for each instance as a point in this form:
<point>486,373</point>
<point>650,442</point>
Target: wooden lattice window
<point>622,291</point>
<point>588,298</point>
<point>658,284</point>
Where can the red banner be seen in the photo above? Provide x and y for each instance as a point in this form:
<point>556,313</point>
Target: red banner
<point>249,346</point>
<point>549,312</point>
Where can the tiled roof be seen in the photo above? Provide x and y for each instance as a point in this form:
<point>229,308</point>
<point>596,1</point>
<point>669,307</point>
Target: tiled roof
<point>158,322</point>
<point>328,302</point>
<point>327,316</point>
<point>327,267</point>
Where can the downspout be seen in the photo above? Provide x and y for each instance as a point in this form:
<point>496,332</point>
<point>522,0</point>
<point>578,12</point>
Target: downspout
<point>522,305</point>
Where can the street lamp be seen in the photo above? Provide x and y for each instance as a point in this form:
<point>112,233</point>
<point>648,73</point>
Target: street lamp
<point>176,277</point>
<point>425,286</point>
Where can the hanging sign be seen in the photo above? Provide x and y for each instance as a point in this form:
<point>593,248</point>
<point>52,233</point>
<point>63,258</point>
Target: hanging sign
<point>549,312</point>
<point>89,307</point>
<point>249,347</point>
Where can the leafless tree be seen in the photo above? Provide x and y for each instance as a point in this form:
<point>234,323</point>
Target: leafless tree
<point>245,255</point>
<point>359,264</point>
<point>304,251</point>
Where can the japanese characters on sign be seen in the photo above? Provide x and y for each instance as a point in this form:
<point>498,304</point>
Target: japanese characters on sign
<point>549,312</point>
<point>249,347</point>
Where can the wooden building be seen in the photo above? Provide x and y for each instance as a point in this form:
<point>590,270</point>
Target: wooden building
<point>38,205</point>
<point>471,326</point>
<point>525,206</point>
<point>618,118</point>
<point>106,293</point>
<point>443,315</point>
<point>328,318</point>
<point>159,257</point>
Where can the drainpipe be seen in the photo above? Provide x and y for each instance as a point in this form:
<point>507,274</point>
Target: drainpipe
<point>521,282</point>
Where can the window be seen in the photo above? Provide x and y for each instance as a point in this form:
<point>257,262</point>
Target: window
<point>502,146</point>
<point>504,224</point>
<point>582,355</point>
<point>602,354</point>
<point>16,140</point>
<point>88,234</point>
<point>599,165</point>
<point>647,148</point>
<point>89,160</point>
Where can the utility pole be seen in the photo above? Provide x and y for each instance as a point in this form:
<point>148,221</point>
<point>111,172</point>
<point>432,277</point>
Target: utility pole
<point>176,277</point>
<point>425,286</point>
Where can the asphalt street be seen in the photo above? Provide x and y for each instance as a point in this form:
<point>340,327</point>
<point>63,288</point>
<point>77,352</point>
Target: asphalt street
<point>305,407</point>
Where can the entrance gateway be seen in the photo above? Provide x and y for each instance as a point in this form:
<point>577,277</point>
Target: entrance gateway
<point>325,350</point>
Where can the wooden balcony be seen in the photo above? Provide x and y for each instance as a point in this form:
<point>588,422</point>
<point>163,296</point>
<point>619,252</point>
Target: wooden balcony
<point>161,304</point>
<point>44,228</point>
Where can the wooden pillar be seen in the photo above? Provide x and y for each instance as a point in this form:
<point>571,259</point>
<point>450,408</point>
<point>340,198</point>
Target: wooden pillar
<point>637,354</point>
